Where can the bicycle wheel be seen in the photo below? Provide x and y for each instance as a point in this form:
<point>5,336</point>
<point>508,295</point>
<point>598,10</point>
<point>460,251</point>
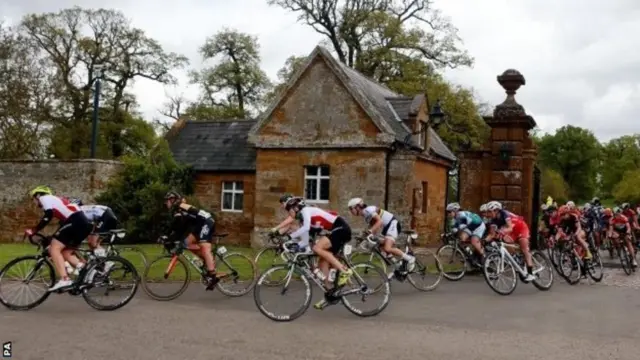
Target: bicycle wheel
<point>371,257</point>
<point>496,270</point>
<point>542,266</point>
<point>268,257</point>
<point>570,267</point>
<point>156,277</point>
<point>238,274</point>
<point>134,254</point>
<point>106,274</point>
<point>625,262</point>
<point>595,269</point>
<point>377,283</point>
<point>427,273</point>
<point>29,270</point>
<point>292,280</point>
<point>453,262</point>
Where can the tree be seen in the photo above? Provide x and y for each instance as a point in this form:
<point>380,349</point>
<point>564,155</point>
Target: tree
<point>618,156</point>
<point>75,42</point>
<point>628,189</point>
<point>286,72</point>
<point>368,34</point>
<point>236,84</point>
<point>573,152</point>
<point>136,193</point>
<point>553,185</point>
<point>26,98</point>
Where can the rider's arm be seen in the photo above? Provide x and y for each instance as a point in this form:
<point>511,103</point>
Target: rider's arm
<point>377,225</point>
<point>47,216</point>
<point>578,223</point>
<point>284,225</point>
<point>305,227</point>
<point>177,227</point>
<point>191,210</point>
<point>508,225</point>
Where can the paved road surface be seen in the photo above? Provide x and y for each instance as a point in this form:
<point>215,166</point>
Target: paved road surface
<point>463,320</point>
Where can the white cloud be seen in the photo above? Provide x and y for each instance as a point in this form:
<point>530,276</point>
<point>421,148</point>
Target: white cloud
<point>578,56</point>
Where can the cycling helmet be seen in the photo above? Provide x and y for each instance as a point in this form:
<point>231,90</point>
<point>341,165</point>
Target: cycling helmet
<point>586,206</point>
<point>607,212</point>
<point>295,201</point>
<point>571,205</point>
<point>617,210</point>
<point>453,207</point>
<point>483,207</point>
<point>355,201</point>
<point>544,207</point>
<point>625,206</point>
<point>494,205</point>
<point>41,190</point>
<point>172,195</point>
<point>76,201</point>
<point>595,201</point>
<point>284,198</point>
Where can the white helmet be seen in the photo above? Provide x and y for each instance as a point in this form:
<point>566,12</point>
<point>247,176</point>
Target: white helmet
<point>355,201</point>
<point>453,207</point>
<point>571,204</point>
<point>483,207</point>
<point>494,205</point>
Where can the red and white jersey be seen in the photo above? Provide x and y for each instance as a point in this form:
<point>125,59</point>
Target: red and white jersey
<point>61,207</point>
<point>314,217</point>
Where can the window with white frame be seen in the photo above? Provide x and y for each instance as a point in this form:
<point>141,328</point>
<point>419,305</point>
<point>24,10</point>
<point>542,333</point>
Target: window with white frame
<point>232,196</point>
<point>316,183</point>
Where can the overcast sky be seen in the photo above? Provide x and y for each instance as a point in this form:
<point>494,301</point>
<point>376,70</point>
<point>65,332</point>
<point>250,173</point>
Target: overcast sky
<point>580,58</point>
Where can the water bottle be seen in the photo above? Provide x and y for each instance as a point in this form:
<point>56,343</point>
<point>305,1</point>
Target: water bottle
<point>69,268</point>
<point>198,263</point>
<point>332,275</point>
<point>100,252</point>
<point>318,273</point>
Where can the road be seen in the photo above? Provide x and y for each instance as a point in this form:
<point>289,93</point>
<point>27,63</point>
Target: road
<point>463,320</point>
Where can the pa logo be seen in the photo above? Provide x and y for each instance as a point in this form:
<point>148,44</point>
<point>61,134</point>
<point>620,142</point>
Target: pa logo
<point>7,350</point>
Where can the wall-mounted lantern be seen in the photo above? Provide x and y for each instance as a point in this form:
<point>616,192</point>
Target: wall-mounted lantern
<point>506,151</point>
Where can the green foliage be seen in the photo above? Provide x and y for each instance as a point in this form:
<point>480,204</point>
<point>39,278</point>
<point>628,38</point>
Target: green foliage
<point>619,156</point>
<point>136,193</point>
<point>573,152</point>
<point>628,189</point>
<point>552,184</point>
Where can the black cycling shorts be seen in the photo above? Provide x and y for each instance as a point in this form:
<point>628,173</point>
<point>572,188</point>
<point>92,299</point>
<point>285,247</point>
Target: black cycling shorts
<point>204,233</point>
<point>108,221</point>
<point>340,235</point>
<point>74,229</point>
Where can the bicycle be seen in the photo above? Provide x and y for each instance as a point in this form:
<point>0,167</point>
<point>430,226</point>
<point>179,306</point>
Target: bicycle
<point>299,264</point>
<point>92,276</point>
<point>500,262</point>
<point>465,257</point>
<point>400,271</point>
<point>572,254</point>
<point>626,260</point>
<point>271,251</point>
<point>113,249</point>
<point>244,274</point>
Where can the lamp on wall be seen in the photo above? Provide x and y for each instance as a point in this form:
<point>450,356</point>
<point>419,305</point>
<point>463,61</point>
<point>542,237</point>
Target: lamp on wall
<point>436,116</point>
<point>506,151</point>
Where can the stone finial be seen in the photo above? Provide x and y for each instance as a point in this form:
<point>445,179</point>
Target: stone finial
<point>510,80</point>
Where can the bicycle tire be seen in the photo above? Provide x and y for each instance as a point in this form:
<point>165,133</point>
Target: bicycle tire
<point>253,273</point>
<point>147,281</point>
<point>39,261</point>
<point>141,255</point>
<point>595,263</point>
<point>298,312</point>
<point>371,257</point>
<point>114,259</point>
<point>625,262</point>
<point>385,287</point>
<point>496,257</point>
<point>540,257</point>
<point>423,267</point>
<point>455,250</point>
<point>575,267</point>
<point>264,253</point>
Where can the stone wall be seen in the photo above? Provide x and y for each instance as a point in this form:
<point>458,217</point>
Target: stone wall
<point>82,179</point>
<point>239,224</point>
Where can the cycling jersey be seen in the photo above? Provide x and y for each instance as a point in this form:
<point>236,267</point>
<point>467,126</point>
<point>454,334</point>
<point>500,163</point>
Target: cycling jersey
<point>619,222</point>
<point>520,228</point>
<point>630,215</point>
<point>314,217</point>
<point>94,212</point>
<point>188,219</point>
<point>467,219</point>
<point>74,225</point>
<point>390,226</point>
<point>60,207</point>
<point>569,224</point>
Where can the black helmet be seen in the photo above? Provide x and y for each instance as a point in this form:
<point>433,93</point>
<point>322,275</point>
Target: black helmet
<point>172,195</point>
<point>595,201</point>
<point>284,198</point>
<point>295,201</point>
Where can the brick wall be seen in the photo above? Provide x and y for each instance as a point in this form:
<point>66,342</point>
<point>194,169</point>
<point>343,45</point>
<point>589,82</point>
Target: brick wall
<point>353,173</point>
<point>239,224</point>
<point>82,179</point>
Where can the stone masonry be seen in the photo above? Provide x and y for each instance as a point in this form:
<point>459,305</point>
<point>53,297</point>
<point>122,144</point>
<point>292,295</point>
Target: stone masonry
<point>83,179</point>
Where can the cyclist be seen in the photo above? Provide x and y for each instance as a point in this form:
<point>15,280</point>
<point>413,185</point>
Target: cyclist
<point>619,226</point>
<point>74,228</point>
<point>515,228</point>
<point>195,227</point>
<point>325,246</point>
<point>383,222</point>
<point>104,220</point>
<point>570,224</point>
<point>469,226</point>
<point>628,211</point>
<point>286,223</point>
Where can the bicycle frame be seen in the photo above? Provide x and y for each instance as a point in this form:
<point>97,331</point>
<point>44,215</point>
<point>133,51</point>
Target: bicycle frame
<point>387,260</point>
<point>505,255</point>
<point>218,252</point>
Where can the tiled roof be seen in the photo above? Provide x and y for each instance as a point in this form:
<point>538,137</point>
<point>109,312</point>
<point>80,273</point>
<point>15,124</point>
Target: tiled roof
<point>215,145</point>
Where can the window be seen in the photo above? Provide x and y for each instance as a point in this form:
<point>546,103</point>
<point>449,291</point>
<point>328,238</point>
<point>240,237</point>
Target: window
<point>425,196</point>
<point>232,196</point>
<point>316,183</point>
